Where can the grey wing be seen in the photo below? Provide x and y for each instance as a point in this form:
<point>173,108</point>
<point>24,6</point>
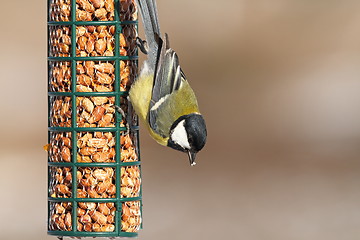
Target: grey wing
<point>168,78</point>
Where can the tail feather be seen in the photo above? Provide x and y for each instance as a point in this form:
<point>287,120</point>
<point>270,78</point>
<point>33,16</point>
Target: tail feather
<point>154,15</point>
<point>150,21</point>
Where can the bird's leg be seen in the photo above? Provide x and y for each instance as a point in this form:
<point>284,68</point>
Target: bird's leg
<point>142,44</point>
<point>119,109</point>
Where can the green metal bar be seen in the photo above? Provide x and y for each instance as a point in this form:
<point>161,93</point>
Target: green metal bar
<point>118,119</point>
<point>95,23</point>
<point>92,164</point>
<point>118,176</point>
<point>97,200</point>
<point>93,234</point>
<point>80,129</point>
<point>73,120</point>
<point>88,94</point>
<point>83,129</point>
<point>96,58</point>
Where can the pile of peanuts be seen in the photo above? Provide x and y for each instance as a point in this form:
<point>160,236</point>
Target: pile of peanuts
<point>96,217</point>
<point>91,10</point>
<point>95,41</point>
<point>95,111</point>
<point>130,182</point>
<point>60,10</point>
<point>59,147</point>
<point>92,40</point>
<point>92,147</point>
<point>94,10</point>
<point>60,216</point>
<point>60,41</point>
<point>60,111</point>
<point>131,216</point>
<point>95,76</point>
<point>60,77</point>
<point>128,148</point>
<point>96,183</point>
<point>60,185</point>
<point>92,111</point>
<point>100,40</point>
<point>96,147</point>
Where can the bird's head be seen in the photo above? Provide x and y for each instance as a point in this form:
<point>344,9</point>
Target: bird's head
<point>188,134</point>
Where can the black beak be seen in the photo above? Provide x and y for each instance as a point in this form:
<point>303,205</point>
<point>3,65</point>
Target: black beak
<point>192,156</point>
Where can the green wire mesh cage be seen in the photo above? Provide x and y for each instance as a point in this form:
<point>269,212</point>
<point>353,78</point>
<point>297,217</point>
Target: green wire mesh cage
<point>94,174</point>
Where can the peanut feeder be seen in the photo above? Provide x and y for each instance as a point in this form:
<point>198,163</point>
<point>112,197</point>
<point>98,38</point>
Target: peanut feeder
<point>93,151</point>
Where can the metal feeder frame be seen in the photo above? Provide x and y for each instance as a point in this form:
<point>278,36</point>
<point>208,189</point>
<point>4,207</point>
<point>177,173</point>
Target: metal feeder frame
<point>74,129</point>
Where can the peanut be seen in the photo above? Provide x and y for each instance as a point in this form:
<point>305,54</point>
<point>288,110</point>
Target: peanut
<point>98,3</point>
<point>103,78</point>
<point>83,79</point>
<point>87,104</point>
<point>105,67</point>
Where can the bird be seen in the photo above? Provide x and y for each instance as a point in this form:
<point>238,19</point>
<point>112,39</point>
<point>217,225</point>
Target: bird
<point>161,95</point>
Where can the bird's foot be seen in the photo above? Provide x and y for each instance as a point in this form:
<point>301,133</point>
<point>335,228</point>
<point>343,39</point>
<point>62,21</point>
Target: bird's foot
<point>119,110</point>
<point>142,45</point>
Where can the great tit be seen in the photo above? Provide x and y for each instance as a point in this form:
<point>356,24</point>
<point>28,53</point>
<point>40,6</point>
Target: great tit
<point>161,95</point>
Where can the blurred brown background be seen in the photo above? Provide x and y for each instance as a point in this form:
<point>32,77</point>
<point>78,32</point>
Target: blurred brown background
<point>279,84</point>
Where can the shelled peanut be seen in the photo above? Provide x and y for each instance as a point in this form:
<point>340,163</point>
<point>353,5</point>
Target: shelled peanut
<point>60,10</point>
<point>60,182</point>
<point>131,216</point>
<point>60,111</point>
<point>60,216</point>
<point>59,147</point>
<point>96,217</point>
<point>96,147</point>
<point>130,182</point>
<point>60,77</point>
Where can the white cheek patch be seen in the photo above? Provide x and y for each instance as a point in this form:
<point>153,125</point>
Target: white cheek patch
<point>179,135</point>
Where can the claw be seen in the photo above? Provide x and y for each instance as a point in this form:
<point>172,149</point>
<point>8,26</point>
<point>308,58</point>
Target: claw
<point>142,44</point>
<point>119,109</point>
